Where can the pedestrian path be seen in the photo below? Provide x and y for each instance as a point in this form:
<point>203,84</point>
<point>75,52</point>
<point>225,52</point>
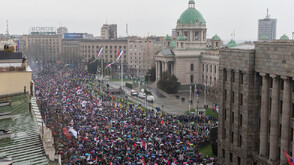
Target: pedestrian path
<point>26,146</point>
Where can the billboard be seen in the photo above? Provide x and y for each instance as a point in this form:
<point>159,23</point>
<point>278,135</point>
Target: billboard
<point>73,35</point>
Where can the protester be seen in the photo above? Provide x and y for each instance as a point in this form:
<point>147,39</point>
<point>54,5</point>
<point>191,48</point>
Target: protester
<point>91,126</point>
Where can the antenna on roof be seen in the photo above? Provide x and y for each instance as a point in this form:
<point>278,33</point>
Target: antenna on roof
<point>7,30</point>
<point>267,15</point>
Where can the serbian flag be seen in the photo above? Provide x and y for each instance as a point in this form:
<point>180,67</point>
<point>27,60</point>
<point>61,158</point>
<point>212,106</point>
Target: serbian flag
<point>167,160</point>
<point>174,162</point>
<point>99,52</point>
<point>120,52</point>
<point>289,158</point>
<point>197,89</point>
<point>142,159</point>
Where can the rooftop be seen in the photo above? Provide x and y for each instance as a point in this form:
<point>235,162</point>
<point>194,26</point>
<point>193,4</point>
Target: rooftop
<point>25,146</point>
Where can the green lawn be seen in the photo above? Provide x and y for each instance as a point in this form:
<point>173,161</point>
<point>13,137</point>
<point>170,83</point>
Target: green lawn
<point>211,112</point>
<point>207,151</point>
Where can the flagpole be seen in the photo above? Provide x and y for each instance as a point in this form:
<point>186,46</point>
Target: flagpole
<point>190,101</point>
<point>121,68</point>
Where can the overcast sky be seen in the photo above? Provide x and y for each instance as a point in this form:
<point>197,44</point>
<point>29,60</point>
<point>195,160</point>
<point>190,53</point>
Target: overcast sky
<point>156,17</point>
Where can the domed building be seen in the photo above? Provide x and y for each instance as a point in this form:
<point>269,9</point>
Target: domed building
<point>190,56</point>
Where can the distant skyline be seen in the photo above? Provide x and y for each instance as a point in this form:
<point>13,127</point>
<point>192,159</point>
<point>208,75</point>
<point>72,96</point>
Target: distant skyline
<point>153,17</point>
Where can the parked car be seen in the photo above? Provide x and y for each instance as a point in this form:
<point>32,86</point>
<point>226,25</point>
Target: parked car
<point>150,98</point>
<point>142,95</point>
<point>134,93</point>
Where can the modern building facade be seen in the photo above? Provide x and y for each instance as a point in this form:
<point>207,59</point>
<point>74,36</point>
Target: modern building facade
<point>190,57</point>
<point>267,28</point>
<point>256,102</point>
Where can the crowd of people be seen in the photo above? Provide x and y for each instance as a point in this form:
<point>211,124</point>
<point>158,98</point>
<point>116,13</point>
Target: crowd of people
<point>87,129</point>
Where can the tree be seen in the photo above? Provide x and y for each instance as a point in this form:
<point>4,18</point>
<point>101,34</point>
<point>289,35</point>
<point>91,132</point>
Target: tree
<point>92,67</point>
<point>151,75</point>
<point>168,83</point>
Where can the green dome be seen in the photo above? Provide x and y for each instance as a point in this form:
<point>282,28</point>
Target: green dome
<point>215,38</point>
<point>181,38</point>
<point>173,44</point>
<point>284,37</point>
<point>264,37</point>
<point>232,44</point>
<point>190,16</point>
<point>167,37</point>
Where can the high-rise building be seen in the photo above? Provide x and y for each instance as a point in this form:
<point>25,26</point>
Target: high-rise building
<point>267,28</point>
<point>256,105</point>
<point>109,32</point>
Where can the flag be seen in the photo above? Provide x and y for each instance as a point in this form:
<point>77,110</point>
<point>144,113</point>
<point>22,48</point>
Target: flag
<point>174,162</point>
<point>289,158</point>
<point>135,144</point>
<point>167,161</point>
<point>118,56</point>
<point>99,52</point>
<point>142,159</point>
<point>197,89</point>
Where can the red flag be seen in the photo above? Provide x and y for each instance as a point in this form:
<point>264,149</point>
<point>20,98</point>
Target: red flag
<point>135,144</point>
<point>162,122</point>
<point>289,158</point>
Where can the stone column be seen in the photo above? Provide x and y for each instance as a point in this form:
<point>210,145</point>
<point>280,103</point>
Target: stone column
<point>157,71</point>
<point>166,66</point>
<point>274,119</point>
<point>264,115</point>
<point>285,119</point>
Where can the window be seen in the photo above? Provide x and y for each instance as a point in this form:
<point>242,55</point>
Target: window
<point>196,35</point>
<point>233,76</point>
<point>280,133</point>
<point>232,117</point>
<point>241,120</point>
<point>192,67</point>
<point>281,107</point>
<point>182,45</point>
<point>232,137</point>
<point>211,68</point>
<point>269,127</point>
<point>215,69</point>
<point>241,78</point>
<point>233,99</point>
<point>271,82</point>
<point>225,114</point>
<point>206,68</point>
<point>240,141</point>
<point>292,110</point>
<point>282,84</point>
<point>203,67</point>
<point>225,96</point>
<point>191,78</point>
<point>224,153</point>
<point>225,75</point>
<point>224,133</point>
<point>241,99</point>
<point>291,135</point>
<point>239,160</point>
<point>231,157</point>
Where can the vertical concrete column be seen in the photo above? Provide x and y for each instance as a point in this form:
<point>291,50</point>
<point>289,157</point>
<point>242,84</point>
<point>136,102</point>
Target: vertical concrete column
<point>285,119</point>
<point>264,115</point>
<point>162,66</point>
<point>274,119</point>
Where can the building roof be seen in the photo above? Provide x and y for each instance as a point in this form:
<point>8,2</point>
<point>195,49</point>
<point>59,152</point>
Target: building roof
<point>25,133</point>
<point>173,44</point>
<point>167,37</point>
<point>181,38</point>
<point>215,38</point>
<point>167,52</point>
<point>284,37</point>
<point>191,16</point>
<point>232,44</point>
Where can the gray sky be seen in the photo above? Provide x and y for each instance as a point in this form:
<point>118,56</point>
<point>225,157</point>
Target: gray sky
<point>156,17</point>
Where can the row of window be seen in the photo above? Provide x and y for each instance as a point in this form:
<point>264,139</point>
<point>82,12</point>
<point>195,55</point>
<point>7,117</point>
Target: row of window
<point>104,47</point>
<point>209,66</point>
<point>231,157</point>
<point>233,76</point>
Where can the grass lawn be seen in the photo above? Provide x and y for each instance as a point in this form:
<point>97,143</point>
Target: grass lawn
<point>118,79</point>
<point>207,151</point>
<point>211,112</point>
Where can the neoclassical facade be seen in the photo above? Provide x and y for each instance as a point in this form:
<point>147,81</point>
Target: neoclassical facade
<point>190,56</point>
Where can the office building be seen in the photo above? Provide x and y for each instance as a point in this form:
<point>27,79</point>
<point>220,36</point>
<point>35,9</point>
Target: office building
<point>267,28</point>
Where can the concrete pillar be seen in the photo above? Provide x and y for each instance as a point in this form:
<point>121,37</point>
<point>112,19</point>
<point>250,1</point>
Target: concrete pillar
<point>274,119</point>
<point>264,115</point>
<point>285,119</point>
<point>157,71</point>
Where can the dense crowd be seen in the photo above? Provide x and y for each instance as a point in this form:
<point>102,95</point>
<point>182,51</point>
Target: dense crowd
<point>87,129</point>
